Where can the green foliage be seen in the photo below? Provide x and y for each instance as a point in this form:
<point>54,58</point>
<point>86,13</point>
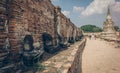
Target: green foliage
<point>38,67</point>
<point>116,28</point>
<point>91,28</point>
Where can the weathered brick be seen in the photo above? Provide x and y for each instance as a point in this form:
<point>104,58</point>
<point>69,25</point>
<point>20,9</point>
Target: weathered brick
<point>34,17</point>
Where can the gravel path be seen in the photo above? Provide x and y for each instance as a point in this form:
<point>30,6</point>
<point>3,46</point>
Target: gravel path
<point>100,57</point>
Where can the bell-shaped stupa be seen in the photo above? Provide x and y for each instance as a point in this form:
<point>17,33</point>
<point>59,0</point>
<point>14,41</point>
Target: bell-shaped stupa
<point>109,32</point>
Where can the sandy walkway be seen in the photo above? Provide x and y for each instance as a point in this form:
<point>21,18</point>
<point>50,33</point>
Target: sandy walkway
<point>100,57</point>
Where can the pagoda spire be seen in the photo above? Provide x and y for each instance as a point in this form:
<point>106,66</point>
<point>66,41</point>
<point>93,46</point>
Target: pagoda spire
<point>108,13</point>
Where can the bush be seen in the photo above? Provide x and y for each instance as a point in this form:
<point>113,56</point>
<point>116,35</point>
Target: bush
<point>91,28</point>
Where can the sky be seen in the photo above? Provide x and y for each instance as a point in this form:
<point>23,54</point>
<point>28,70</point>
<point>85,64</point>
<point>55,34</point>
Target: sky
<point>83,12</point>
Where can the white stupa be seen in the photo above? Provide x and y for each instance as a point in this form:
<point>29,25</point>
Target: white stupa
<point>109,32</point>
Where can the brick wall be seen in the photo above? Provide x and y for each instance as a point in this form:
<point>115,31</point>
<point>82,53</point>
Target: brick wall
<point>3,18</point>
<point>30,17</point>
<point>33,17</point>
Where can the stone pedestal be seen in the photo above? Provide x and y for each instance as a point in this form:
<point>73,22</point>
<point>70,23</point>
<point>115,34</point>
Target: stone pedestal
<point>109,36</point>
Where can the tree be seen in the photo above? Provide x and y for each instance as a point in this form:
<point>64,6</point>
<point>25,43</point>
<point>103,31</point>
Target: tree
<point>116,28</point>
<point>91,28</point>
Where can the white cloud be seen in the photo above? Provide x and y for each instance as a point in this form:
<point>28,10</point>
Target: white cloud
<point>116,7</point>
<point>55,0</point>
<point>97,7</point>
<point>66,13</point>
<point>77,9</point>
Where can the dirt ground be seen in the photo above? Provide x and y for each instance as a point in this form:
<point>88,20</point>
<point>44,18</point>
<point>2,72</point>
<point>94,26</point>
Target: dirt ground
<point>100,56</point>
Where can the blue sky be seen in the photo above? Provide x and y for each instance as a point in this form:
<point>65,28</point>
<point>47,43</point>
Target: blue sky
<point>82,12</point>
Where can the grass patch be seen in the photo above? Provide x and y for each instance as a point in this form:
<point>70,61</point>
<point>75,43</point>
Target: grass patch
<point>39,67</point>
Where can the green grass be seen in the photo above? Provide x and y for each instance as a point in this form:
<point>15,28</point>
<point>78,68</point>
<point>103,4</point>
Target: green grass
<point>39,67</point>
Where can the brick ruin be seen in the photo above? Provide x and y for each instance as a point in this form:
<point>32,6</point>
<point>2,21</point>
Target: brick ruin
<point>19,18</point>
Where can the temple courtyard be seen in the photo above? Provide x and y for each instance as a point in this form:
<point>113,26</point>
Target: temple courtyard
<point>100,56</point>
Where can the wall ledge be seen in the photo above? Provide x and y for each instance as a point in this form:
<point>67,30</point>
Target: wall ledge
<point>66,61</point>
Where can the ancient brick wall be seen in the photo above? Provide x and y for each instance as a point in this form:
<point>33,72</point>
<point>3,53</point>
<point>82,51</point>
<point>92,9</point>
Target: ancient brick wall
<point>65,27</point>
<point>30,17</point>
<point>33,17</point>
<point>19,18</point>
<point>3,18</point>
